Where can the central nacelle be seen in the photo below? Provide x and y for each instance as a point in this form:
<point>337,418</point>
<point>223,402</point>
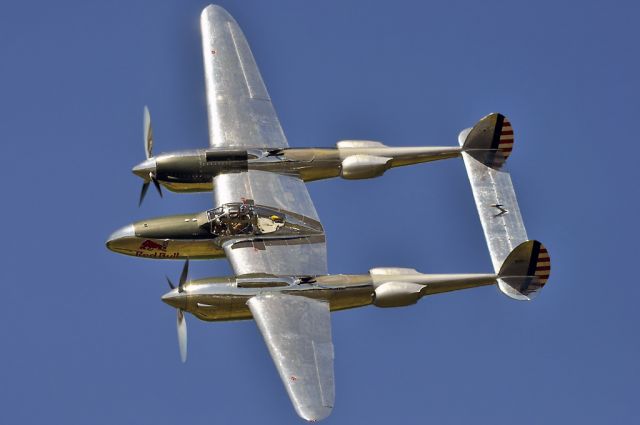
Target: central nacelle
<point>203,235</point>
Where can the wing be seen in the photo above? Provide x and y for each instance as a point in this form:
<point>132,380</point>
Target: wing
<point>240,110</point>
<point>304,256</point>
<point>297,331</point>
<point>241,115</point>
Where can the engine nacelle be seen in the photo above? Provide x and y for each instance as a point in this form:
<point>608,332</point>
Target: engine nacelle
<point>364,166</point>
<point>397,294</point>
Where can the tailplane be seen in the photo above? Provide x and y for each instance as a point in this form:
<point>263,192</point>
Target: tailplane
<point>522,265</point>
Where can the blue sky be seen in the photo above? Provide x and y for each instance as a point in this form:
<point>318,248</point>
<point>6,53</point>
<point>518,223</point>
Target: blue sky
<point>86,337</point>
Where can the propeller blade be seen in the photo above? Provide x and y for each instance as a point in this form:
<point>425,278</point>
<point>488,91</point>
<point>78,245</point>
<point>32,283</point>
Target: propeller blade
<point>156,183</point>
<point>182,335</point>
<point>183,276</point>
<point>171,285</point>
<point>148,134</point>
<point>143,192</point>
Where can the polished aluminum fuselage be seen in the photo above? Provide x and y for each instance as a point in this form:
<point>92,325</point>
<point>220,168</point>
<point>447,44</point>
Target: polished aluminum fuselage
<point>203,235</point>
<point>221,299</point>
<point>225,298</point>
<point>172,237</point>
<point>194,170</point>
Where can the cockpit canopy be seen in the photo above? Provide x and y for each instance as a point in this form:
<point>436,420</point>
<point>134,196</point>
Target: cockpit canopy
<point>243,218</point>
<point>233,219</point>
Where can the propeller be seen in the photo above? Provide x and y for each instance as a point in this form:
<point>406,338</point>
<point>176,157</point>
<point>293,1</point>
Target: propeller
<point>145,187</point>
<point>183,278</point>
<point>181,322</point>
<point>148,151</point>
<point>182,335</point>
<point>148,133</point>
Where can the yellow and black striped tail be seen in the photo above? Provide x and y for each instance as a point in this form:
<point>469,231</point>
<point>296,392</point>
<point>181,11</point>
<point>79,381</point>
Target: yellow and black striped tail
<point>525,271</point>
<point>490,141</point>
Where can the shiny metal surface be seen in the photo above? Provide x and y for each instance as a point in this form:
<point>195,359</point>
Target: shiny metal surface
<point>293,258</point>
<point>225,298</point>
<point>364,166</point>
<point>147,130</point>
<point>193,170</point>
<point>203,235</point>
<point>297,331</point>
<point>266,224</point>
<point>297,257</point>
<point>525,271</point>
<point>359,144</point>
<point>143,169</point>
<point>181,326</point>
<point>171,237</point>
<point>397,294</point>
<point>239,106</point>
<point>265,188</point>
<point>166,249</point>
<point>432,283</point>
<point>123,232</point>
<point>497,206</point>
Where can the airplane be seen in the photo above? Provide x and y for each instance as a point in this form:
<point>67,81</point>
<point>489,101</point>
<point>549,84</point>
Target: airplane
<point>266,225</point>
<point>202,235</point>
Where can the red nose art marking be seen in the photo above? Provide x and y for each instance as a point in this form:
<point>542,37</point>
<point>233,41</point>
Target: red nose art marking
<point>153,246</point>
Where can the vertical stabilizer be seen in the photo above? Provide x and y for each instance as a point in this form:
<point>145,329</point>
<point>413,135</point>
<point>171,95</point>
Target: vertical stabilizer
<point>525,271</point>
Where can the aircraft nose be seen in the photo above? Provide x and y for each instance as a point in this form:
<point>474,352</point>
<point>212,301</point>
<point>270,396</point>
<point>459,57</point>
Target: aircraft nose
<point>143,169</point>
<point>123,232</point>
<point>176,299</point>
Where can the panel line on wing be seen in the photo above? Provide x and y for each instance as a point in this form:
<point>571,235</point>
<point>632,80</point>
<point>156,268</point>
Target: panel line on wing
<point>253,86</point>
<point>317,362</point>
<point>297,331</point>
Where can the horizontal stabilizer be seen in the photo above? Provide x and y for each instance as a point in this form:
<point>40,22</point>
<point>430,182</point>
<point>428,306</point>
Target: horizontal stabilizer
<point>490,141</point>
<point>525,271</point>
<point>522,265</point>
<point>495,200</point>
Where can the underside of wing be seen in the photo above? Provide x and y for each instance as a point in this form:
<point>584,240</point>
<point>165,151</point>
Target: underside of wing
<point>240,110</point>
<point>303,255</point>
<point>297,331</point>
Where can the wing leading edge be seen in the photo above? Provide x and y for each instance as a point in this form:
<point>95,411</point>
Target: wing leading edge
<point>297,331</point>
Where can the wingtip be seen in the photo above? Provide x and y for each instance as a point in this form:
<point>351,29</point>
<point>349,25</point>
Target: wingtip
<point>214,10</point>
<point>312,413</point>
